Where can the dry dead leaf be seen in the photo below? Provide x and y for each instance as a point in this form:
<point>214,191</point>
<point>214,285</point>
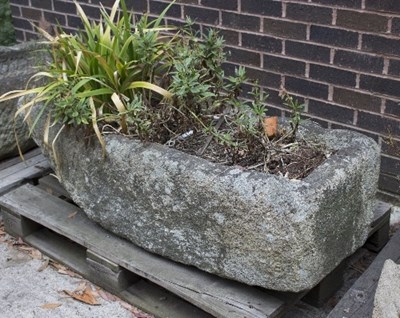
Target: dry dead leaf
<point>137,313</point>
<point>72,274</point>
<point>55,176</point>
<point>44,265</point>
<point>50,306</point>
<point>67,272</point>
<point>19,242</point>
<point>2,232</point>
<point>82,286</point>
<point>141,315</point>
<point>106,295</point>
<point>58,266</point>
<point>95,293</point>
<point>103,295</point>
<point>36,254</point>
<point>86,296</point>
<point>61,269</point>
<point>72,215</point>
<point>25,248</point>
<point>62,272</point>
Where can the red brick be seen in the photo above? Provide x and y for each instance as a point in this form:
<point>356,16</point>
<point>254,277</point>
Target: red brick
<point>332,75</point>
<point>308,51</point>
<point>261,43</point>
<point>285,29</point>
<point>359,61</point>
<point>361,21</point>
<point>335,37</point>
<point>389,183</point>
<point>262,7</point>
<point>306,87</point>
<point>240,56</point>
<point>331,111</point>
<point>309,13</point>
<point>356,99</point>
<point>390,165</point>
<point>240,21</point>
<point>284,65</point>
<point>379,124</point>
<point>220,4</point>
<point>202,15</point>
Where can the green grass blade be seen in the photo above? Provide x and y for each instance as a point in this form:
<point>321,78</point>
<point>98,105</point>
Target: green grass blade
<point>157,22</point>
<point>96,92</point>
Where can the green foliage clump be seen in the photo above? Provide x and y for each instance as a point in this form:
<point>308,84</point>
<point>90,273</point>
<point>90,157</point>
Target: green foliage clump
<point>7,32</point>
<point>147,79</point>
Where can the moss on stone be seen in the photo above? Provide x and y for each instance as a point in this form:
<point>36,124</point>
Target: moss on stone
<point>7,32</point>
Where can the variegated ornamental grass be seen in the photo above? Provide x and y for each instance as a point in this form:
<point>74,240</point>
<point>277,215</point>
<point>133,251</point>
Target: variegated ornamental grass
<point>95,74</point>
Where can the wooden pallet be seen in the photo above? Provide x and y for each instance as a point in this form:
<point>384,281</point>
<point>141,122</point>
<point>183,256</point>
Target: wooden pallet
<point>46,222</point>
<point>45,218</point>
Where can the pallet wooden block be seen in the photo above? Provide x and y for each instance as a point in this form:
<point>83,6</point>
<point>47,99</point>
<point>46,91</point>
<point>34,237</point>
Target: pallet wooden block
<point>50,224</point>
<point>379,231</point>
<point>327,287</point>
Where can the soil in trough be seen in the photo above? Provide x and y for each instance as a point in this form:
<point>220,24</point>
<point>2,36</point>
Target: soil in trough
<point>294,159</point>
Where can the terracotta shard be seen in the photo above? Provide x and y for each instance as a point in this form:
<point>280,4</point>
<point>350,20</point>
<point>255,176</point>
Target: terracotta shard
<point>270,126</point>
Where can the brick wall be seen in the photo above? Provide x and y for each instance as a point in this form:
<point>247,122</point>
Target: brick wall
<point>341,57</point>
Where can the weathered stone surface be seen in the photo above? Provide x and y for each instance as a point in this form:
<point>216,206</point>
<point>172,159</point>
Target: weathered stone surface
<point>17,65</point>
<point>387,296</point>
<point>252,227</point>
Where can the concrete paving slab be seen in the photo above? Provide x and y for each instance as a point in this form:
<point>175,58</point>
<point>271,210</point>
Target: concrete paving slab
<point>26,292</point>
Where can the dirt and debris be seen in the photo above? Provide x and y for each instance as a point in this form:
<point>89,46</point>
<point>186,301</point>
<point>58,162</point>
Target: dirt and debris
<point>291,159</point>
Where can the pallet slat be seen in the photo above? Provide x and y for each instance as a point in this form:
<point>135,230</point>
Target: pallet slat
<point>13,161</point>
<point>215,295</point>
<point>17,174</point>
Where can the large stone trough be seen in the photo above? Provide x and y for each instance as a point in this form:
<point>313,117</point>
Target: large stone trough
<point>252,227</point>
